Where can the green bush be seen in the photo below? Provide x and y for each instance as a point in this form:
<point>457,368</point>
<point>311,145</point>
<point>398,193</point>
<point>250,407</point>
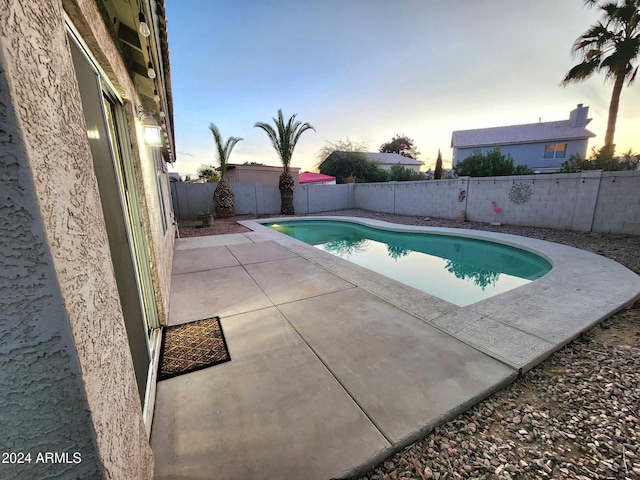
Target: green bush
<point>601,159</point>
<point>398,173</point>
<point>491,164</point>
<point>350,166</point>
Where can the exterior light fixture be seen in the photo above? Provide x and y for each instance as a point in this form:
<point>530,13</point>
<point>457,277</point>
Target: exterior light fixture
<point>152,136</point>
<point>144,28</point>
<point>151,73</point>
<point>156,97</point>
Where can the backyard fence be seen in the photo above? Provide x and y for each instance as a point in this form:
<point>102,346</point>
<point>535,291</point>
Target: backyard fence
<point>587,201</point>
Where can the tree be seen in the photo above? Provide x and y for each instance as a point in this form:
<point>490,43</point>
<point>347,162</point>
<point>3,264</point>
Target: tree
<point>351,166</point>
<point>398,173</point>
<point>600,160</point>
<point>346,145</point>
<point>284,141</point>
<point>208,172</point>
<point>223,195</point>
<point>491,164</point>
<point>437,174</point>
<point>611,46</point>
<point>402,145</point>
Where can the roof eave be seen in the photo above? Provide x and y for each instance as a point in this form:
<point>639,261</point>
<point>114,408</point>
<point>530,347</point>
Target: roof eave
<point>524,142</point>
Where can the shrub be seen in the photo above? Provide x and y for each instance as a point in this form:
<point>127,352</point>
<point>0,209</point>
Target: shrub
<point>600,160</point>
<point>352,165</point>
<point>491,164</point>
<point>398,173</point>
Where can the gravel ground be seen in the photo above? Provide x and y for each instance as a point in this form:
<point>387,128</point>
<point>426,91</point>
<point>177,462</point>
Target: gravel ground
<point>575,416</point>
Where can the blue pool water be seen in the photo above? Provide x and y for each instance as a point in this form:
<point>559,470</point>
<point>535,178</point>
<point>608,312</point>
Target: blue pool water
<point>459,270</point>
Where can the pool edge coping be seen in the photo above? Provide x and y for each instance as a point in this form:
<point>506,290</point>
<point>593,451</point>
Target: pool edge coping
<point>520,337</point>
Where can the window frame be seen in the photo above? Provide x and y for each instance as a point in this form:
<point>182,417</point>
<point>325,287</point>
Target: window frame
<point>549,154</point>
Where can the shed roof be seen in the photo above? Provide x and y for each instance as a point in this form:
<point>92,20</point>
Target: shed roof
<point>311,177</point>
<point>527,133</point>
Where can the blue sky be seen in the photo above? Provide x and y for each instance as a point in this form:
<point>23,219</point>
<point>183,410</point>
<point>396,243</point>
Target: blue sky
<point>370,69</point>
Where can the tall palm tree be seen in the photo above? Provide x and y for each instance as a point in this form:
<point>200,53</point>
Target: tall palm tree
<point>223,195</point>
<point>611,46</point>
<point>284,138</point>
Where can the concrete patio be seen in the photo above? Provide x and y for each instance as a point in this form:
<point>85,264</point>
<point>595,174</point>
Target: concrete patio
<point>333,366</point>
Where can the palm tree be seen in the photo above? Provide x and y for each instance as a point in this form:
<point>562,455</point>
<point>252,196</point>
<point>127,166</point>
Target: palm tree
<point>611,46</point>
<point>223,195</point>
<point>284,138</point>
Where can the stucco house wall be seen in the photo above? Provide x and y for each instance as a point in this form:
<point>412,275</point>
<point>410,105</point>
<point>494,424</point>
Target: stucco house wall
<point>264,174</point>
<point>87,18</point>
<point>526,142</point>
<point>530,154</point>
<point>67,381</point>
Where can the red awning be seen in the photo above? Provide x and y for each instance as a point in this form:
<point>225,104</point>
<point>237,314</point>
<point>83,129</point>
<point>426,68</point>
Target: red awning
<point>310,177</point>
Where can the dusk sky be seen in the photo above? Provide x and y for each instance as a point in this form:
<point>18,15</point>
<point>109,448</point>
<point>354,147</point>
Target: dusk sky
<point>370,69</point>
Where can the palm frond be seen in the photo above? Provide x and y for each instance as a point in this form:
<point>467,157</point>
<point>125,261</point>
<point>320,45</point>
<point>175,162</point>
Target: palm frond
<point>271,133</point>
<point>284,136</point>
<point>581,72</point>
<point>632,77</point>
<point>223,150</point>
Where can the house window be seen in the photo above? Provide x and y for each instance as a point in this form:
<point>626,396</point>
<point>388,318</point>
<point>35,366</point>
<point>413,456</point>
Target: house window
<point>557,150</point>
<point>482,151</point>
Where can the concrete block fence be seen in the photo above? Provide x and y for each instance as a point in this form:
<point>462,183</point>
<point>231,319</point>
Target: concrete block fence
<point>588,201</point>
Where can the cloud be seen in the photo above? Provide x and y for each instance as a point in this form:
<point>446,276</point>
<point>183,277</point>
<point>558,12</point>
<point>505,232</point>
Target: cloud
<point>186,154</point>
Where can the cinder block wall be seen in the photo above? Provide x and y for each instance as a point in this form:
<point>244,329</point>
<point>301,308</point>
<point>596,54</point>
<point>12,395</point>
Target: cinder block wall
<point>438,198</point>
<point>607,202</point>
<point>322,198</point>
<point>539,201</point>
<point>379,197</point>
<point>618,205</point>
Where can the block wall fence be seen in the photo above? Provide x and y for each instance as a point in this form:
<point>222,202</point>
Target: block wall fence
<point>588,201</point>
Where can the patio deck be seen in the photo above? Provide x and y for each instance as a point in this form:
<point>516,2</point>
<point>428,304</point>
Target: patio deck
<point>333,367</point>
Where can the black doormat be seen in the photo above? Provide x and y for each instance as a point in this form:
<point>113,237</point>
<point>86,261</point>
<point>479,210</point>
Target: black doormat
<point>192,346</point>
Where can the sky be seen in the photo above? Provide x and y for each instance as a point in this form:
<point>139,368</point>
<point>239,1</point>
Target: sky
<point>367,70</point>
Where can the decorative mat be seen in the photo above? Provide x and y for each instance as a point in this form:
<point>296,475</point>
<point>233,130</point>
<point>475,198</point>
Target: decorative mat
<point>192,346</point>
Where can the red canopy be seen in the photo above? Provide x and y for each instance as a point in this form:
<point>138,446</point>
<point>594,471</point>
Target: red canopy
<point>310,177</point>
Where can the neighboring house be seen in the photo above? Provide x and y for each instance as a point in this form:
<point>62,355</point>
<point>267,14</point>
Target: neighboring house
<point>86,232</point>
<point>311,178</point>
<point>388,160</point>
<point>543,146</point>
<point>265,174</point>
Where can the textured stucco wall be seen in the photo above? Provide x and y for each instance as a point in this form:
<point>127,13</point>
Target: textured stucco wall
<point>44,407</point>
<point>160,242</point>
<point>55,155</point>
<point>87,18</point>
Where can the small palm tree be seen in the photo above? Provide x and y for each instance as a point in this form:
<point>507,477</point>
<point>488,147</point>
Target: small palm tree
<point>284,138</point>
<point>223,195</point>
<point>610,46</point>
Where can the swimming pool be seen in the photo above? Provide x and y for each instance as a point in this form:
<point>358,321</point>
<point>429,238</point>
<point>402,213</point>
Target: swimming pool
<point>459,270</point>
